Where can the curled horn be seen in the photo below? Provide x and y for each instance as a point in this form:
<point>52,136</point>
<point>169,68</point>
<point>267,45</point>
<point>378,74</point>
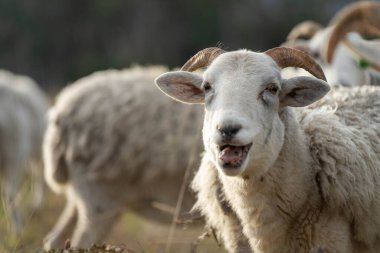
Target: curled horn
<point>289,57</point>
<point>202,59</point>
<point>304,30</point>
<point>362,17</point>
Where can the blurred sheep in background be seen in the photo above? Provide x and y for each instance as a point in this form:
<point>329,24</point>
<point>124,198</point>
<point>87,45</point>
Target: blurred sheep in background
<point>347,57</point>
<point>114,142</point>
<point>22,124</point>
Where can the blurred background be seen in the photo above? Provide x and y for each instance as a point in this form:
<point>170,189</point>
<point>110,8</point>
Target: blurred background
<point>57,42</point>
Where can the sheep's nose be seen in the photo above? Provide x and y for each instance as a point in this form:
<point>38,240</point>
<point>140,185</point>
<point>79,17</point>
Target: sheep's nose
<point>228,131</point>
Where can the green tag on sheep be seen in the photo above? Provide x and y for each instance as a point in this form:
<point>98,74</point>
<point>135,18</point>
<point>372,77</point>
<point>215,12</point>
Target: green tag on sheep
<point>363,63</point>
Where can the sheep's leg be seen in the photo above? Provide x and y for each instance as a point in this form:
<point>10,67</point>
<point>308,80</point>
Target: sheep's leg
<point>65,224</point>
<point>38,186</point>
<point>12,183</point>
<point>94,222</point>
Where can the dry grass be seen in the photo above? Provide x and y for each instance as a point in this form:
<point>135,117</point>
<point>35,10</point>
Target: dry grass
<point>131,232</point>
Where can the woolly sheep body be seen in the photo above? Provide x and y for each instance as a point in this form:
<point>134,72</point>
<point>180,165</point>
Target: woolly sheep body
<point>114,142</point>
<point>22,124</point>
<point>310,179</point>
<point>342,133</point>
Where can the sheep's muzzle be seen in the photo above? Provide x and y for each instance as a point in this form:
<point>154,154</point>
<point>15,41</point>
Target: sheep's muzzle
<point>232,157</point>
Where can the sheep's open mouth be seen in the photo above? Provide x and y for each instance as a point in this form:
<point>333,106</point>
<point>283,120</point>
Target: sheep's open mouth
<point>232,157</point>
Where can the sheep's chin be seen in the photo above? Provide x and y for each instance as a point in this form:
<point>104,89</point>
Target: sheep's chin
<point>235,171</point>
<point>232,160</point>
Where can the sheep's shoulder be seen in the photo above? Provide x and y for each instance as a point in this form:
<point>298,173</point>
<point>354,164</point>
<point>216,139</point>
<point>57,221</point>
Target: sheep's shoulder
<point>343,131</point>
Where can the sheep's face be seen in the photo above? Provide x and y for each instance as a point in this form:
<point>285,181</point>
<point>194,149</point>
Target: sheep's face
<point>241,121</point>
<point>243,93</point>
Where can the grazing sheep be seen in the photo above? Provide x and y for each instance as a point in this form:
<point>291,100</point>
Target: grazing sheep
<point>113,142</point>
<point>346,60</point>
<point>303,179</point>
<point>22,123</point>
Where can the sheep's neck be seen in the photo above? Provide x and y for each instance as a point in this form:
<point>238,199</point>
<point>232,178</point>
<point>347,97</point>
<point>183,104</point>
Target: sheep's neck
<point>277,209</point>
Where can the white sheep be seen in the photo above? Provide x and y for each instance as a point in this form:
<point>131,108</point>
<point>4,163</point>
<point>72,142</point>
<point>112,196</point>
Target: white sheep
<point>346,60</point>
<point>22,124</point>
<point>113,142</point>
<point>300,179</point>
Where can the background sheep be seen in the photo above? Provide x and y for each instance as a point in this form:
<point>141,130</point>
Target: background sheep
<point>299,180</point>
<point>22,123</point>
<point>113,142</point>
<point>347,60</point>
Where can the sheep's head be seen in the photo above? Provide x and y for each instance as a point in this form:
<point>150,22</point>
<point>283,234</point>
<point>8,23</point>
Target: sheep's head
<point>362,17</point>
<point>244,94</point>
<point>301,35</point>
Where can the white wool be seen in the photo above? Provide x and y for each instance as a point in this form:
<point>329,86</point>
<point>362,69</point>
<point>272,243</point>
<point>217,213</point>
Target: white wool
<point>342,133</point>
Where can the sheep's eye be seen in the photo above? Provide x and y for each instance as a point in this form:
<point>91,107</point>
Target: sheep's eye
<point>272,89</point>
<point>206,86</point>
<point>316,55</point>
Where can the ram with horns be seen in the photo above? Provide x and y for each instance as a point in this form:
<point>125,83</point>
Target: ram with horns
<point>298,168</point>
<point>347,57</point>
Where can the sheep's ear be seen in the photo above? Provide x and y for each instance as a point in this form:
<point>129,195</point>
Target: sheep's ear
<point>302,91</point>
<point>182,86</point>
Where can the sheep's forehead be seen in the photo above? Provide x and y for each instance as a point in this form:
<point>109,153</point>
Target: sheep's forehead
<point>243,65</point>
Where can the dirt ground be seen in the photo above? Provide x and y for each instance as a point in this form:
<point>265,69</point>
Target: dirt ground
<point>131,231</point>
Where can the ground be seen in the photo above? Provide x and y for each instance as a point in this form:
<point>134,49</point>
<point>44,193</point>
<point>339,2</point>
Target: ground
<point>132,232</point>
